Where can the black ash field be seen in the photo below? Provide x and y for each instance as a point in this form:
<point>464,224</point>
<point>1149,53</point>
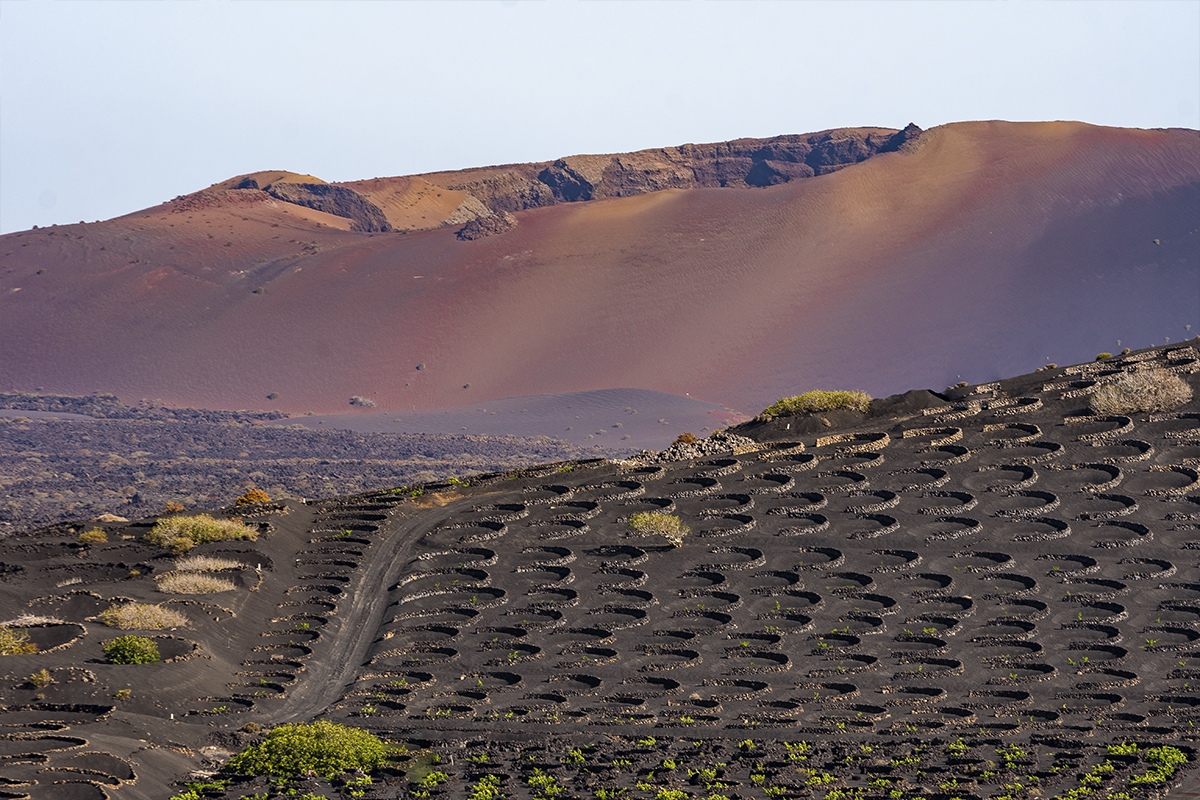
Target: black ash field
<point>991,593</point>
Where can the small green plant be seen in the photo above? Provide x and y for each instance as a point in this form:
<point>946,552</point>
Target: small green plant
<point>320,747</point>
<point>94,536</point>
<point>1123,749</point>
<point>41,679</point>
<point>122,694</point>
<point>486,788</point>
<point>1103,356</point>
<point>131,650</point>
<point>817,401</point>
<point>656,523</point>
<point>1164,760</point>
<point>544,786</point>
<point>15,642</point>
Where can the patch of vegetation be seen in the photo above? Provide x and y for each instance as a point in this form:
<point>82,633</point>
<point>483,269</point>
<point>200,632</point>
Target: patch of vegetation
<point>192,583</point>
<point>200,563</point>
<point>94,536</point>
<point>142,616</point>
<point>817,401</point>
<point>253,496</point>
<point>1165,761</point>
<point>686,438</point>
<point>131,650</point>
<point>180,534</point>
<point>320,747</point>
<point>656,523</point>
<point>1153,389</point>
<point>15,642</point>
<point>41,679</point>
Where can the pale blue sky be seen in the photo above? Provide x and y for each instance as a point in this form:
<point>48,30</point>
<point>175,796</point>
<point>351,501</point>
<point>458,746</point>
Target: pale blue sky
<point>109,107</point>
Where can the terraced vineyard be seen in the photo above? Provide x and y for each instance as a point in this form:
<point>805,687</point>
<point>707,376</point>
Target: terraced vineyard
<point>995,598</point>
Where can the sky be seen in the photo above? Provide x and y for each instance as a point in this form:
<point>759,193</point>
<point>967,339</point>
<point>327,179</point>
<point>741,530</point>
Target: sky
<point>110,107</point>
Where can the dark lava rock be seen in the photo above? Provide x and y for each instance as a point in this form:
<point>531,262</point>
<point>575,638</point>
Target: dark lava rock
<point>337,200</point>
<point>487,226</point>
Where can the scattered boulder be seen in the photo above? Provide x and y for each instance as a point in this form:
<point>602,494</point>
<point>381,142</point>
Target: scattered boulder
<point>719,442</point>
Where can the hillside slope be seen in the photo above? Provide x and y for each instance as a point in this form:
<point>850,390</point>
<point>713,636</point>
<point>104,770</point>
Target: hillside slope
<point>975,250</point>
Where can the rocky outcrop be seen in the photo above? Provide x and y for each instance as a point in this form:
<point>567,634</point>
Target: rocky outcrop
<point>492,192</point>
<point>742,162</point>
<point>332,199</point>
<point>487,226</point>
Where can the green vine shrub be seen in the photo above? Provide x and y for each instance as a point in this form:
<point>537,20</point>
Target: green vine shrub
<point>131,650</point>
<point>324,748</point>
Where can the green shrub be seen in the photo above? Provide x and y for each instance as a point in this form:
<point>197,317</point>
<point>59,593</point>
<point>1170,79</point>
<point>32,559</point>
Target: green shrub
<point>657,523</point>
<point>1153,389</point>
<point>180,534</point>
<point>94,536</point>
<point>322,747</point>
<point>142,616</point>
<point>812,402</point>
<point>41,679</point>
<point>1103,356</point>
<point>15,642</point>
<point>131,650</point>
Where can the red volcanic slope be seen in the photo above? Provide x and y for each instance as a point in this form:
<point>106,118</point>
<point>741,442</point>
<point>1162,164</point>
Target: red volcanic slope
<point>978,250</point>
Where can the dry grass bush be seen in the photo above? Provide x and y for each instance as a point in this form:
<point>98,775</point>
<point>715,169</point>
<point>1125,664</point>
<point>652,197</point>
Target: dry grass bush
<point>173,507</point>
<point>813,402</point>
<point>1151,389</point>
<point>15,642</point>
<point>656,523</point>
<point>192,583</point>
<point>143,616</point>
<point>94,536</point>
<point>180,534</point>
<point>686,438</point>
<point>199,563</point>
